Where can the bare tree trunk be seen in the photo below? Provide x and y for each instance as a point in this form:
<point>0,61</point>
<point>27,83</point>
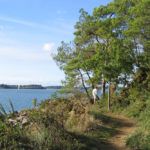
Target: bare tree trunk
<point>109,96</point>
<point>90,79</point>
<point>89,76</point>
<point>103,87</point>
<point>83,84</point>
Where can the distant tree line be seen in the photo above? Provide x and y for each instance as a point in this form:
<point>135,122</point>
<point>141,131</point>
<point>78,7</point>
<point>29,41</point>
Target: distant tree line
<point>32,86</point>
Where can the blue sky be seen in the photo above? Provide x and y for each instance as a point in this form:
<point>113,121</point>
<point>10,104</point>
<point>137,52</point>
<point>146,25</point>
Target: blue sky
<point>30,32</point>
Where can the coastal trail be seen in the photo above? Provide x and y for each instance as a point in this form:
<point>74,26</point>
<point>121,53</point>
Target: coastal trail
<point>109,132</point>
<point>124,127</point>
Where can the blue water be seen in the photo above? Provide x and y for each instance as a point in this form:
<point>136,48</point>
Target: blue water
<point>22,99</point>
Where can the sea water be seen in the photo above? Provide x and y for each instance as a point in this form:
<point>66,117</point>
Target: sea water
<point>22,98</point>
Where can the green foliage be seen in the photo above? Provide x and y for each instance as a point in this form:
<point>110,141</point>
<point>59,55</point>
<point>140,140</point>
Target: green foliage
<point>139,140</point>
<point>49,133</point>
<point>69,113</point>
<point>2,111</point>
<point>110,44</point>
<point>134,101</point>
<point>13,138</point>
<point>34,102</point>
<point>45,130</point>
<point>4,114</point>
<point>12,107</point>
<point>144,117</point>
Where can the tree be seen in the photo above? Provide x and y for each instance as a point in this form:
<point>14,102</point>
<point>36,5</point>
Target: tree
<point>100,36</point>
<point>69,60</point>
<point>109,45</point>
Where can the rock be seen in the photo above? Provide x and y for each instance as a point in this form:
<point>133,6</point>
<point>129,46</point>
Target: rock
<point>12,121</point>
<point>20,118</point>
<point>24,121</point>
<point>23,113</point>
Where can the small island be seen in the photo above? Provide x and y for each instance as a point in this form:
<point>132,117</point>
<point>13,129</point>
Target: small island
<point>30,86</point>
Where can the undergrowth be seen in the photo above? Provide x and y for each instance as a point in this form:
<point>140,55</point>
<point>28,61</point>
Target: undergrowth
<point>134,102</point>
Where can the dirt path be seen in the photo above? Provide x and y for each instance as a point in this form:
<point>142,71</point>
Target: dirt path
<point>124,127</point>
<point>109,132</point>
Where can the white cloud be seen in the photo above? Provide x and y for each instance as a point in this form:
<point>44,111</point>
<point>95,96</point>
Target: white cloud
<point>48,47</point>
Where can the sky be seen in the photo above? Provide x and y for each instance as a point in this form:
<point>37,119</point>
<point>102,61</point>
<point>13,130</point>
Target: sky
<point>30,32</point>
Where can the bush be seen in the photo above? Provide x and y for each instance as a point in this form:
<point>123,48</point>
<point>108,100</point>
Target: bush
<point>13,138</point>
<point>139,141</point>
<point>134,101</point>
<point>48,131</point>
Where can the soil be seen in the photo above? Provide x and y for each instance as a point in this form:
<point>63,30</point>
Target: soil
<point>124,127</point>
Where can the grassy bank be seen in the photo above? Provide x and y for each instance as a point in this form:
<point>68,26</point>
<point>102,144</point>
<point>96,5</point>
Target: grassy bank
<point>64,124</point>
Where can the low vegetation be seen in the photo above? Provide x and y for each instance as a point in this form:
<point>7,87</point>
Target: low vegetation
<point>71,123</point>
<point>134,102</point>
<point>47,127</point>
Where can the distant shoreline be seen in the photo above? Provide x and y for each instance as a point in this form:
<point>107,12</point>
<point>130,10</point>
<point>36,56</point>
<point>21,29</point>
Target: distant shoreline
<point>31,86</point>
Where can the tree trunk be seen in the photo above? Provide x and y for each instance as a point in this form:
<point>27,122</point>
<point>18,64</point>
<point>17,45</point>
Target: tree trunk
<point>109,96</point>
<point>103,87</point>
<point>88,95</point>
<point>90,79</point>
<point>89,76</point>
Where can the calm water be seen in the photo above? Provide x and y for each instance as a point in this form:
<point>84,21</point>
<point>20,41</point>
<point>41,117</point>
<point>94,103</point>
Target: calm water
<point>22,98</point>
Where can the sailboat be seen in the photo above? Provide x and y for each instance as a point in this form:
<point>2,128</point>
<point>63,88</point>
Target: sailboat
<point>18,87</point>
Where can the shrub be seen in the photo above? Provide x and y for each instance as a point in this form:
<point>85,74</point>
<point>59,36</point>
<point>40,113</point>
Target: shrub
<point>49,133</point>
<point>139,141</point>
<point>13,138</point>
